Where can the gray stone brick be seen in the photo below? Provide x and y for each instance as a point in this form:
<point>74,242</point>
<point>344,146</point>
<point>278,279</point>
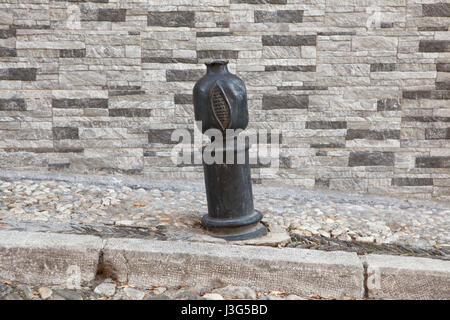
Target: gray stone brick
<point>72,53</point>
<point>168,60</point>
<point>388,105</point>
<point>113,15</point>
<point>278,16</point>
<point>322,183</point>
<point>417,94</point>
<point>436,10</point>
<point>289,40</point>
<point>433,162</point>
<point>22,74</point>
<point>181,98</point>
<point>184,75</point>
<point>443,67</point>
<point>434,45</point>
<point>326,125</point>
<point>7,33</point>
<point>217,54</point>
<point>299,88</point>
<point>443,85</point>
<point>425,119</point>
<point>206,34</point>
<point>130,113</point>
<point>12,105</point>
<point>285,162</point>
<point>124,91</point>
<point>8,52</point>
<point>63,165</point>
<point>382,67</point>
<point>433,28</point>
<point>412,181</point>
<point>260,1</point>
<point>328,145</point>
<point>60,133</point>
<point>80,103</point>
<point>372,134</point>
<point>171,18</point>
<point>291,68</point>
<point>285,101</point>
<point>162,136</point>
<point>371,158</point>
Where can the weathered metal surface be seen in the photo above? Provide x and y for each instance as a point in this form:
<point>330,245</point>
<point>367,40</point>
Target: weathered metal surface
<point>220,102</point>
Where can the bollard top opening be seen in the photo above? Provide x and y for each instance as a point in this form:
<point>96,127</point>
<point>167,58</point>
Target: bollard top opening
<point>216,62</point>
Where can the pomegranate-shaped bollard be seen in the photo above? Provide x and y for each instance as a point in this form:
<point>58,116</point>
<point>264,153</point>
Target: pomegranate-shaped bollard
<point>220,102</point>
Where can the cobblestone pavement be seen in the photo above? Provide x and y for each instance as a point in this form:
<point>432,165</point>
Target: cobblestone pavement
<point>172,211</point>
<point>107,289</point>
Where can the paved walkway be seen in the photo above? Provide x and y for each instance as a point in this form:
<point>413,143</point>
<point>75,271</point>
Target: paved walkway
<point>172,210</point>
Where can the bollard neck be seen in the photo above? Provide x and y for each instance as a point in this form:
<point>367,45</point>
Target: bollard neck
<point>217,66</point>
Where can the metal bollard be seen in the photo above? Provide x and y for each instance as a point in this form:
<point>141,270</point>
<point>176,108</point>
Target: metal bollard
<point>220,103</point>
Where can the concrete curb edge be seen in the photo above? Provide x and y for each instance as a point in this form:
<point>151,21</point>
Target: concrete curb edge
<point>50,258</point>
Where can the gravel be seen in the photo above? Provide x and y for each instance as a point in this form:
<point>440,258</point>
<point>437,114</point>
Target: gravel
<point>105,289</point>
<point>108,289</point>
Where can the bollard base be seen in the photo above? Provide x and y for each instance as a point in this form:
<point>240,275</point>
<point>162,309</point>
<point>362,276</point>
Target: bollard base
<point>235,229</point>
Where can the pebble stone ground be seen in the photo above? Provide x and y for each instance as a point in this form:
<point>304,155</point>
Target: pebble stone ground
<point>173,210</point>
<point>178,208</point>
<point>107,289</point>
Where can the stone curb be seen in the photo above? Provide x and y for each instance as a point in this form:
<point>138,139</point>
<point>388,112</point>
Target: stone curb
<point>48,258</point>
<point>398,277</point>
<point>304,272</point>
